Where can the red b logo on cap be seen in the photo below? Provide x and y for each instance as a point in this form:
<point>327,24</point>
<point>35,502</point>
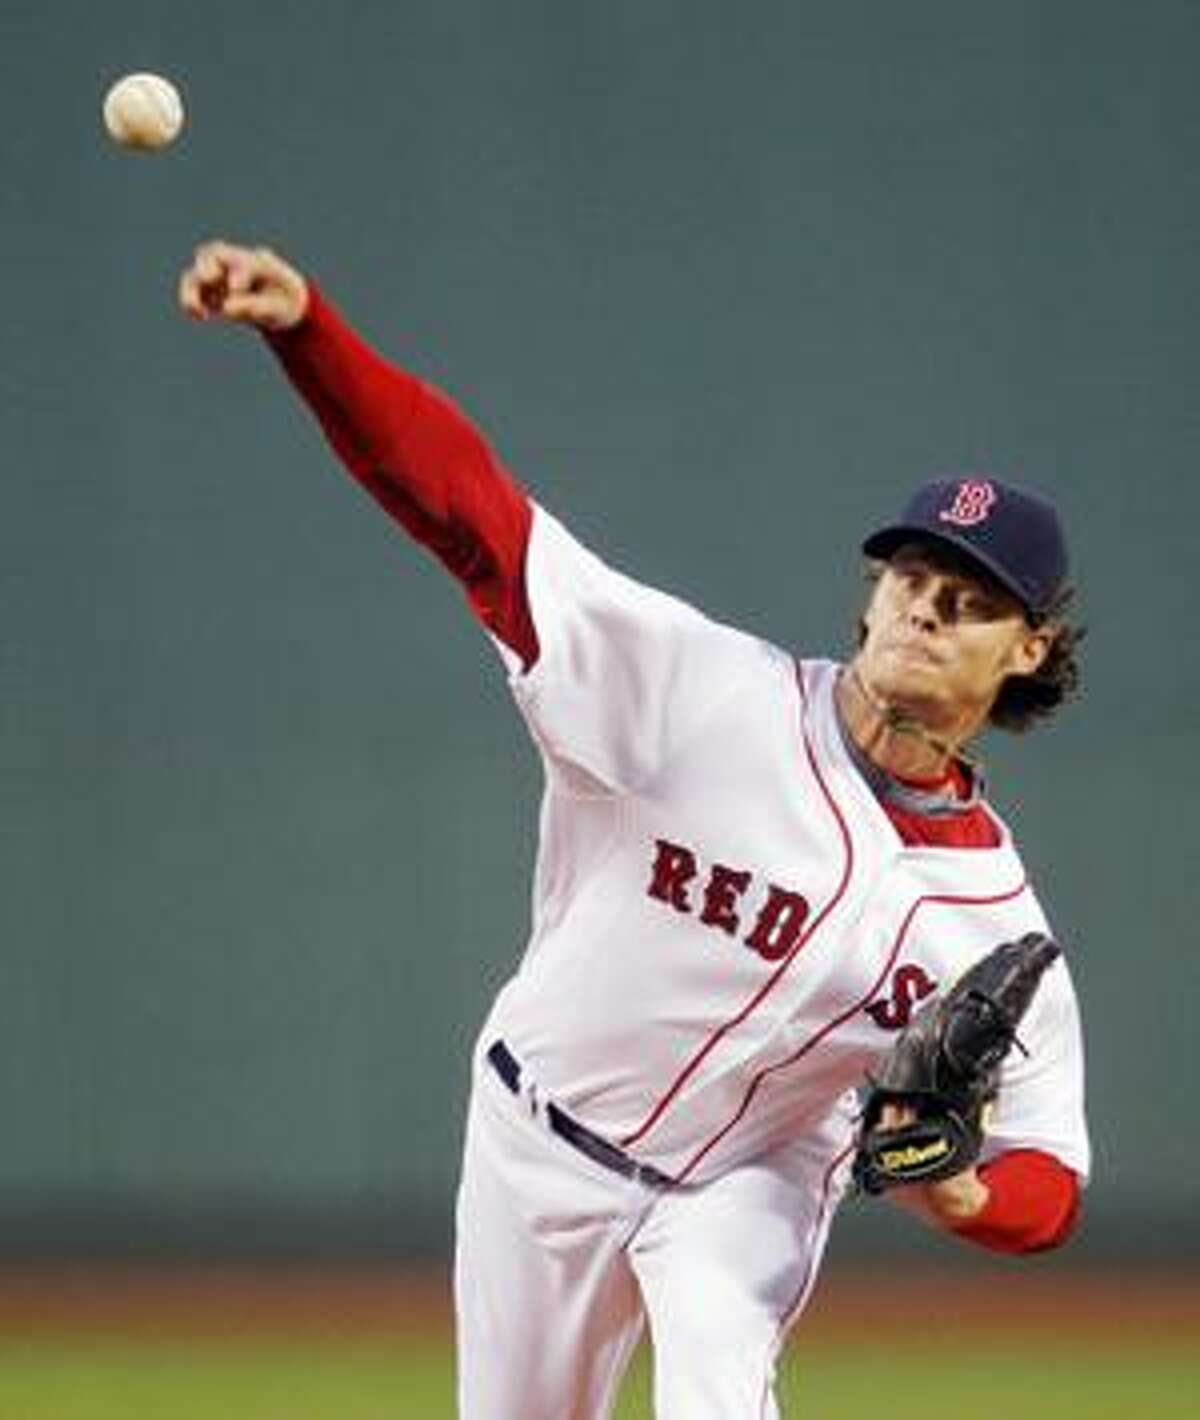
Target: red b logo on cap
<point>972,503</point>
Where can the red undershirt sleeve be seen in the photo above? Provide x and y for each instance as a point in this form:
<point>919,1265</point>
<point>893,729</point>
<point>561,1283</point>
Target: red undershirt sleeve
<point>423,461</point>
<point>1033,1203</point>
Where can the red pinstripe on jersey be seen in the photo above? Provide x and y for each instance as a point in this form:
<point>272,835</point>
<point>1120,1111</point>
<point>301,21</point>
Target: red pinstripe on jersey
<point>944,899</point>
<point>823,1208</point>
<point>817,1037</point>
<point>773,980</point>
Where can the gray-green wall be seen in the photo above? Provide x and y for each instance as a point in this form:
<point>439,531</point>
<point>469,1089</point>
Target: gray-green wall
<point>722,282</point>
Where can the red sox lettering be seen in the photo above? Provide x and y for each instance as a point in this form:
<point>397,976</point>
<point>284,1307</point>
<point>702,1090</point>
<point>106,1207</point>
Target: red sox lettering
<point>910,984</point>
<point>777,923</point>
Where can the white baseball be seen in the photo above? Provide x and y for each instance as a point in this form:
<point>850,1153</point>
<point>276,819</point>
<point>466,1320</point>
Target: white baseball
<point>143,111</point>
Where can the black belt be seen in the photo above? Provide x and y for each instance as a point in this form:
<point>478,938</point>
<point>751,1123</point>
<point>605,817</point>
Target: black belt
<point>508,1067</point>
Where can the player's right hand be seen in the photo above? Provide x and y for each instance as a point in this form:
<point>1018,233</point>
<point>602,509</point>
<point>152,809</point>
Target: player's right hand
<point>247,284</point>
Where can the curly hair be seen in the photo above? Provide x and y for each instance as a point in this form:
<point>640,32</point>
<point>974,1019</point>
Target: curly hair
<point>1026,700</point>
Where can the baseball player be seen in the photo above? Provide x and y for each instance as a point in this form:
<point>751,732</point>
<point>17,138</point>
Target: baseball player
<point>754,873</point>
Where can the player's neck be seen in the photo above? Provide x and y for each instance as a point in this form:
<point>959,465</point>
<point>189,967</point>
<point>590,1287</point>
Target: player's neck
<point>892,737</point>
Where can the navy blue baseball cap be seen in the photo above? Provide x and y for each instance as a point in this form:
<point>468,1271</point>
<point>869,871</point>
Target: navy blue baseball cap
<point>1014,535</point>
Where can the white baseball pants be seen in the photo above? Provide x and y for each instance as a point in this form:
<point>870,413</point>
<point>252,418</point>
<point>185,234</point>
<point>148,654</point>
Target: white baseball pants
<point>560,1262</point>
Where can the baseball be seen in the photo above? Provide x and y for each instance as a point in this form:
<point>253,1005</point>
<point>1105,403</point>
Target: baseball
<point>143,111</point>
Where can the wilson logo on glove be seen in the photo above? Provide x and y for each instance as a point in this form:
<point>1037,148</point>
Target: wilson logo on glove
<point>912,1156</point>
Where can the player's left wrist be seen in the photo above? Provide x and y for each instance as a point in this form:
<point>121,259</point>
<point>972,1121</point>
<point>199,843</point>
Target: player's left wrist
<point>956,1201</point>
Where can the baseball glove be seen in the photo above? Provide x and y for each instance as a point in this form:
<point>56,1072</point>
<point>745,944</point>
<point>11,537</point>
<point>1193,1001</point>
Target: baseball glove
<point>945,1068</point>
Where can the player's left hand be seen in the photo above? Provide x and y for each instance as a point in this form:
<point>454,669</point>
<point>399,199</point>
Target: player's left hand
<point>947,1202</point>
<point>923,1117</point>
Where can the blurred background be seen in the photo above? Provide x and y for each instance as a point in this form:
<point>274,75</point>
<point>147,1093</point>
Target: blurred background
<point>721,283</point>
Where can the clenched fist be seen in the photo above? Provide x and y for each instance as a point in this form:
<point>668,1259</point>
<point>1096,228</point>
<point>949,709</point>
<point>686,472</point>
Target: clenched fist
<point>247,284</point>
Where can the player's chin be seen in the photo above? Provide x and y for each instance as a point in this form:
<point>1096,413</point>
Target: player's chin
<point>904,678</point>
<point>911,657</point>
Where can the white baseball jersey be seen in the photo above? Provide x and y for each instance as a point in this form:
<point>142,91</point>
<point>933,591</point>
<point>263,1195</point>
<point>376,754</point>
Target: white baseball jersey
<point>727,928</point>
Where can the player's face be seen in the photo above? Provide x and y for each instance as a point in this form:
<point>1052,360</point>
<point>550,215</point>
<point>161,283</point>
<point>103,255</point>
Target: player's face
<point>941,637</point>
